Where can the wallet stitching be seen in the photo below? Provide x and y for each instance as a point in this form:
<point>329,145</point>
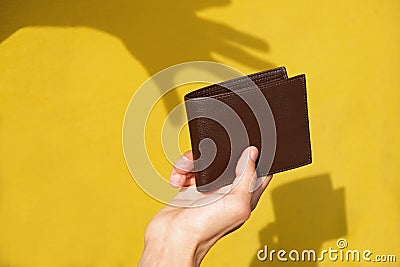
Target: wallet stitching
<point>245,91</point>
<point>237,83</point>
<point>307,119</point>
<point>234,84</point>
<point>208,93</point>
<point>253,76</point>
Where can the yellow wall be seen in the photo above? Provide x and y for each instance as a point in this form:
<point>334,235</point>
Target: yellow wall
<point>69,68</point>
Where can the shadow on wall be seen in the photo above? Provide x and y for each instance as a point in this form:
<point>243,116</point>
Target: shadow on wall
<point>308,212</point>
<point>157,33</point>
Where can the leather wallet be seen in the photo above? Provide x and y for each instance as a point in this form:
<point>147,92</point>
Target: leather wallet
<point>266,109</point>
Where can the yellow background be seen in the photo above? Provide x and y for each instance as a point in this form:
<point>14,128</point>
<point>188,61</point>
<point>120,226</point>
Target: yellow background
<point>69,68</point>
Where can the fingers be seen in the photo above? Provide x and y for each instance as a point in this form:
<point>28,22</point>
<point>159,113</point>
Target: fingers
<point>245,170</point>
<point>181,172</point>
<point>185,163</point>
<point>260,190</point>
<point>190,180</point>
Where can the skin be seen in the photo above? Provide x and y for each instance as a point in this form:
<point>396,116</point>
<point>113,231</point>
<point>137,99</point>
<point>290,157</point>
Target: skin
<point>178,236</point>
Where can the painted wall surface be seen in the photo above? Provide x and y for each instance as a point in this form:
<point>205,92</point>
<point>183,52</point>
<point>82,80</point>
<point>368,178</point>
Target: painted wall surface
<point>68,70</point>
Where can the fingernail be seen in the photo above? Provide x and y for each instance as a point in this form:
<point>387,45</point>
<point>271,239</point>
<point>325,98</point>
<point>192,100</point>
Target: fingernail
<point>254,154</point>
<point>184,164</point>
<point>174,181</point>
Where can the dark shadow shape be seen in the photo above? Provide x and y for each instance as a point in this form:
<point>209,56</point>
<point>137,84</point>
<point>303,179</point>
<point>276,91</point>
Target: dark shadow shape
<point>308,212</point>
<point>157,33</point>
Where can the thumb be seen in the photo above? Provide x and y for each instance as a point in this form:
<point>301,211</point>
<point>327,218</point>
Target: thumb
<point>245,170</point>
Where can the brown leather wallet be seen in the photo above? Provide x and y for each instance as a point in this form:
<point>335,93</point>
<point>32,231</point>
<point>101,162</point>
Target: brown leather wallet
<point>266,109</point>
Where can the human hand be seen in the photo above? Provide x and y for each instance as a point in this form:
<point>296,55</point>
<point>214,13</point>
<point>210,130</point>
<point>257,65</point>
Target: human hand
<point>181,236</point>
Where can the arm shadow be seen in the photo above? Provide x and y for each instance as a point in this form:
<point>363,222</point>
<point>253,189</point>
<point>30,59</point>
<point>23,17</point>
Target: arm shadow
<point>157,33</point>
<point>308,212</point>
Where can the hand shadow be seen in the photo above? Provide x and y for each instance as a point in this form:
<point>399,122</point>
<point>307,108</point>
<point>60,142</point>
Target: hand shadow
<point>308,212</point>
<point>157,33</point>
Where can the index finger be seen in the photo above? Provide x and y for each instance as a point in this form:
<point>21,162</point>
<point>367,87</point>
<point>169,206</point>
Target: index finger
<point>184,164</point>
<point>181,172</point>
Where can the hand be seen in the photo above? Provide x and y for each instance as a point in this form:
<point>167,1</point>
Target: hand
<point>181,236</point>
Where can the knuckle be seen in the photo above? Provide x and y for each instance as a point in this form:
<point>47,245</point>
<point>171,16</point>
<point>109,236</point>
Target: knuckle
<point>241,211</point>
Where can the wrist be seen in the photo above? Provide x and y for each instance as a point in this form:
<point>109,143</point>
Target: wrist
<point>170,248</point>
